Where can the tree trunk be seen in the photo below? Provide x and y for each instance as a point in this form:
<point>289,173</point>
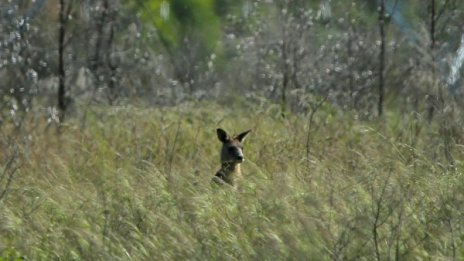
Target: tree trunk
<point>111,67</point>
<point>431,99</point>
<point>381,57</point>
<point>61,69</point>
<point>95,63</point>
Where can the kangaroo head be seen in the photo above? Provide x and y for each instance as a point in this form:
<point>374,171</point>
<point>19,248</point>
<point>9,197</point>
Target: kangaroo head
<point>232,147</point>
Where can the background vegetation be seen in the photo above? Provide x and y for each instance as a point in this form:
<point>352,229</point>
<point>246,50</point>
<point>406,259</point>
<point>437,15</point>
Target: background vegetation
<point>109,109</point>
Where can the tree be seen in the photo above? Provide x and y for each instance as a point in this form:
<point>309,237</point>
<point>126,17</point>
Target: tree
<point>189,31</point>
<point>21,58</point>
<point>381,57</point>
<point>64,13</point>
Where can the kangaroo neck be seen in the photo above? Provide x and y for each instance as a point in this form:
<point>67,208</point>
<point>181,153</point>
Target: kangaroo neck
<point>229,167</point>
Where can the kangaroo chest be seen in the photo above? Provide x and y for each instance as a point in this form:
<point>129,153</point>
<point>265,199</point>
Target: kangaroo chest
<point>229,175</point>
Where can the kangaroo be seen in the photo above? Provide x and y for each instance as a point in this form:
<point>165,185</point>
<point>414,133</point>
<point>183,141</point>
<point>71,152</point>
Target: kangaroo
<point>231,158</point>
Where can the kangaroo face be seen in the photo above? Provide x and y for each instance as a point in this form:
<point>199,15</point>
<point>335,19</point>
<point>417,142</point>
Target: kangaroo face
<point>232,151</point>
<point>232,148</point>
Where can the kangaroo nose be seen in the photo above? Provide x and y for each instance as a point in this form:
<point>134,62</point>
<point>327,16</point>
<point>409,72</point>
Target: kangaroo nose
<point>240,158</point>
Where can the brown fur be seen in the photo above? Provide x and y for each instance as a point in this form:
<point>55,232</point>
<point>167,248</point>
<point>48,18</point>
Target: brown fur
<point>231,158</point>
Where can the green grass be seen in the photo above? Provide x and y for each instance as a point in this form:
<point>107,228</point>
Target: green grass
<point>134,183</point>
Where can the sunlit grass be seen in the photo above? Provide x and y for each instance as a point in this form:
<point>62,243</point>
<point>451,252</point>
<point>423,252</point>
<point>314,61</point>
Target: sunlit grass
<point>134,183</point>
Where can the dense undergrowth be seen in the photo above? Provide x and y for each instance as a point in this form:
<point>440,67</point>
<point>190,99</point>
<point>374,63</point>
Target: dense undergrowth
<point>125,183</point>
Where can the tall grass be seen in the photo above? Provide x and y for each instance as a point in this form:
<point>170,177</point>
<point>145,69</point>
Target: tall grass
<point>134,183</point>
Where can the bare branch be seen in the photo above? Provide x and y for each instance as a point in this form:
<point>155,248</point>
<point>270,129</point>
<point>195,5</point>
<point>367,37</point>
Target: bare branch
<point>6,178</point>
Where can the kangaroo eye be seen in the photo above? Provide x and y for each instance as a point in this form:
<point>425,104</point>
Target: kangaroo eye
<point>231,149</point>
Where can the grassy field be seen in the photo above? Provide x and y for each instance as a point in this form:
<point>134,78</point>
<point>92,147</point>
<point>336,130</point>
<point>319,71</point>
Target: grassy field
<point>134,183</point>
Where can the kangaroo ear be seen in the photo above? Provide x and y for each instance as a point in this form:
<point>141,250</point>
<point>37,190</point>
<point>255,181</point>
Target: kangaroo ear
<point>222,135</point>
<point>241,137</point>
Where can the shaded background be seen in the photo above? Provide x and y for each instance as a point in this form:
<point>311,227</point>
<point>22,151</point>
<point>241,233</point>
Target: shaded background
<point>361,55</point>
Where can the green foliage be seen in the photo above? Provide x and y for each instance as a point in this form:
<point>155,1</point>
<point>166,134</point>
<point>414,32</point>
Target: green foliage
<point>180,20</point>
<point>132,183</point>
<point>10,254</point>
